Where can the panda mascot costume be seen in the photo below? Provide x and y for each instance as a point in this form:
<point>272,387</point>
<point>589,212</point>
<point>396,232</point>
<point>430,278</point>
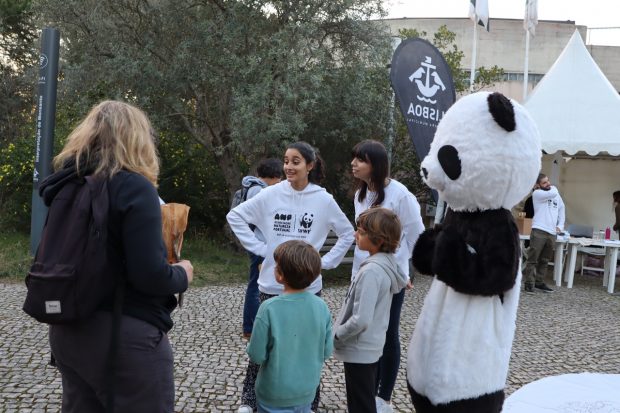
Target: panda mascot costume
<point>484,159</point>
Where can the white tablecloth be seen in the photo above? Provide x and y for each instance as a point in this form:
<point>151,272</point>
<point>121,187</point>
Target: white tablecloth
<point>570,393</point>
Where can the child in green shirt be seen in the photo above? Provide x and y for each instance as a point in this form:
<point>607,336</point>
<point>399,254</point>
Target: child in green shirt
<point>292,334</point>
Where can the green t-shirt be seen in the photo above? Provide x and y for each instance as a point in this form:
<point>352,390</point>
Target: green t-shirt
<point>291,339</point>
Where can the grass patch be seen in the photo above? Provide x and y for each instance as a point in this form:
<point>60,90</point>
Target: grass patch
<point>15,256</point>
<point>214,260</point>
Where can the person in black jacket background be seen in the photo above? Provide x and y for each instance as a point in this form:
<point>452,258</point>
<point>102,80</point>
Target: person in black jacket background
<point>115,141</point>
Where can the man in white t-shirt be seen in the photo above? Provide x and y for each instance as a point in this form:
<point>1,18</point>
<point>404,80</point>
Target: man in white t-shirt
<point>548,221</point>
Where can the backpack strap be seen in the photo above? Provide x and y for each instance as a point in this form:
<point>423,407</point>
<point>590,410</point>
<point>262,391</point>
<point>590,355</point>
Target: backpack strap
<point>247,189</point>
<point>101,186</point>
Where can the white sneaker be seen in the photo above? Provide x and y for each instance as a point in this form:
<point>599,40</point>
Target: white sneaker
<point>245,409</point>
<point>383,406</point>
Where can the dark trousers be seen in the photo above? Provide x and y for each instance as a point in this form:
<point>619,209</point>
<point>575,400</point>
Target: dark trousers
<point>538,255</point>
<point>360,380</point>
<point>390,360</point>
<point>251,302</point>
<point>248,394</point>
<point>143,379</point>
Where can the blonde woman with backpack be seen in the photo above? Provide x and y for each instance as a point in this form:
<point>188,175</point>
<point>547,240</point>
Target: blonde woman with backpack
<point>115,142</point>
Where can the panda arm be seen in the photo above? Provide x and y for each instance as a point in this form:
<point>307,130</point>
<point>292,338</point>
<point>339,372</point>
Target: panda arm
<point>500,259</point>
<point>423,251</point>
<point>486,265</point>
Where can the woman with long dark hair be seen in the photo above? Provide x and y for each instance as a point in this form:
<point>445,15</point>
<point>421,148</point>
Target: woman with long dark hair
<point>374,187</point>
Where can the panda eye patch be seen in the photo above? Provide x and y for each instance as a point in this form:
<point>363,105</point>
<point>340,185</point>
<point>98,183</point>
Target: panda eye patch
<point>450,162</point>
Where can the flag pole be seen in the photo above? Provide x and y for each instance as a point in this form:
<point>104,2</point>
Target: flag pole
<point>473,57</point>
<point>527,59</point>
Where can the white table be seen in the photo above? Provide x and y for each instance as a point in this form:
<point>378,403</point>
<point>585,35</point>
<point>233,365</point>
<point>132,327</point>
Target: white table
<point>557,259</point>
<point>611,258</point>
<point>583,392</point>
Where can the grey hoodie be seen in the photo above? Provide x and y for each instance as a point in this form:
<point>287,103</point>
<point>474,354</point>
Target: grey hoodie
<point>359,332</point>
<point>254,184</point>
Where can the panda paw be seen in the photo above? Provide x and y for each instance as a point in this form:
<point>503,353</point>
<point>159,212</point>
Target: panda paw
<point>422,257</point>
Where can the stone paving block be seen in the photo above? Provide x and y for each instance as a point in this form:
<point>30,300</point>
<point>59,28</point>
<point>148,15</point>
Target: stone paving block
<point>568,331</point>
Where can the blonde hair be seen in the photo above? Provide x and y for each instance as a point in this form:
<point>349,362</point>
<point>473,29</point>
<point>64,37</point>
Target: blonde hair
<point>113,136</point>
<point>382,227</point>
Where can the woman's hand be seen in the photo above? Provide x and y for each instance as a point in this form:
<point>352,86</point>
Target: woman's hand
<point>189,269</point>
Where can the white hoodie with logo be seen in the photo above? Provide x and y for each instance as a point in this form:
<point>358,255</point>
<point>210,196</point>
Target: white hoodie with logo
<point>283,213</point>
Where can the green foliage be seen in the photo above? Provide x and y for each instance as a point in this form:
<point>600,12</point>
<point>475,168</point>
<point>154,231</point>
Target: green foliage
<point>189,175</point>
<point>241,78</point>
<point>17,33</point>
<point>16,161</point>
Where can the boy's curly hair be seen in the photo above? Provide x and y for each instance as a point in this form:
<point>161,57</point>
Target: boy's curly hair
<point>382,227</point>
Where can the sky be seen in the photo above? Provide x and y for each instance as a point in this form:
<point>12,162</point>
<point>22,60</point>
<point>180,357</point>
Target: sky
<point>591,13</point>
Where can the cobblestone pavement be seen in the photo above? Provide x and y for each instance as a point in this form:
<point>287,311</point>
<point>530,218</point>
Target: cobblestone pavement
<point>564,332</point>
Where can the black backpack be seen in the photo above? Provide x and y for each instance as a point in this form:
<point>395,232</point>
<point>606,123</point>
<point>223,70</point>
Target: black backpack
<point>72,274</point>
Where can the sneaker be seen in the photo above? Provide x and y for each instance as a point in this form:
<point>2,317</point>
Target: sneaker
<point>543,287</point>
<point>245,409</point>
<point>529,289</point>
<point>383,406</point>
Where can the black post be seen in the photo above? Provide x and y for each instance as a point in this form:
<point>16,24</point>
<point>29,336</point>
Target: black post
<point>46,121</point>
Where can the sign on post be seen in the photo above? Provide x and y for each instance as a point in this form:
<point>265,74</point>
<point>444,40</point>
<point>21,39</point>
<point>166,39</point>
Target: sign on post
<point>423,84</point>
<point>45,123</point>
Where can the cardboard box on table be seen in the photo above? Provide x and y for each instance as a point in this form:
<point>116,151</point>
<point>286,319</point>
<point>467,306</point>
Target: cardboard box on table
<point>524,225</point>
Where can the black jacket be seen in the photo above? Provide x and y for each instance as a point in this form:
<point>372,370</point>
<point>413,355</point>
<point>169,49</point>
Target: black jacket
<point>135,233</point>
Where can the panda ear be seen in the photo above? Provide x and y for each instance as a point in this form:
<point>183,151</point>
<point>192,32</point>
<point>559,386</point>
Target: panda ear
<point>502,111</point>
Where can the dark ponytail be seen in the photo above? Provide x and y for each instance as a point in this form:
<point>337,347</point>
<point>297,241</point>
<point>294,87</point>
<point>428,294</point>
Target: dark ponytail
<point>311,155</point>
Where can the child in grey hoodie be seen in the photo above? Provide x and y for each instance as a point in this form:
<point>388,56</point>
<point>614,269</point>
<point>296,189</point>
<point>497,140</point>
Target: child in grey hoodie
<point>359,332</point>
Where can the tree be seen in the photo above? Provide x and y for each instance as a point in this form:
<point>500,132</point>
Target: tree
<point>17,54</point>
<point>242,77</point>
<point>16,33</point>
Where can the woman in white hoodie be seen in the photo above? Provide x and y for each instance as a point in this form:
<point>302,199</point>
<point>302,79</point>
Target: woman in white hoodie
<point>371,169</point>
<point>297,208</point>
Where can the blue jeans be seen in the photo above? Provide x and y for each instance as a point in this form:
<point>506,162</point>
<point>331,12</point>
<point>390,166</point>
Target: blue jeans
<point>390,360</point>
<point>251,303</point>
<point>293,409</point>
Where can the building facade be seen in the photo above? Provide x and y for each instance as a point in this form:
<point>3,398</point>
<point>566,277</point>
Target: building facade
<point>504,46</point>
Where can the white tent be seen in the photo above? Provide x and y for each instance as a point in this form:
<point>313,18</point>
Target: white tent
<point>575,106</point>
<point>578,112</point>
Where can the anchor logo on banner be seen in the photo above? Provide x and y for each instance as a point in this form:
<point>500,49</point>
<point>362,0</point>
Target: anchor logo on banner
<point>428,90</point>
<point>424,88</point>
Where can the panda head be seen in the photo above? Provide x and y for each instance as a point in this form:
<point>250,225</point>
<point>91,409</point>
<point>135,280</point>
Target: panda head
<point>485,154</point>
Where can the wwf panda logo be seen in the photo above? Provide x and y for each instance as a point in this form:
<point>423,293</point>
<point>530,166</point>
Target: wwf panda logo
<point>306,220</point>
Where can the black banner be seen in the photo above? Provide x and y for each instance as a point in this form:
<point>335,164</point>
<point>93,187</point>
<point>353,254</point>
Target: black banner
<point>423,84</point>
<point>45,123</point>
